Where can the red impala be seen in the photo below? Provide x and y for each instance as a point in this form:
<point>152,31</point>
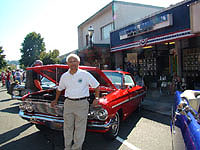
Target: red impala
<point>119,97</point>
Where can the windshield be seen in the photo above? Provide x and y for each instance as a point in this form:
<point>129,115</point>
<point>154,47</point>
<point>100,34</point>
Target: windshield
<point>116,78</point>
<point>46,81</point>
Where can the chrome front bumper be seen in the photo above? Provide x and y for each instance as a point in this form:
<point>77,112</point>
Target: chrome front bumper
<point>56,123</point>
<point>49,121</point>
<point>17,97</point>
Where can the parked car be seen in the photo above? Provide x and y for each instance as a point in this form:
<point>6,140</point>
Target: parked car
<point>186,119</point>
<point>18,90</point>
<point>119,97</point>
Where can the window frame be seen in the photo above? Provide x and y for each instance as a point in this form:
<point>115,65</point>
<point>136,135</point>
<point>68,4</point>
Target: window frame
<point>103,33</point>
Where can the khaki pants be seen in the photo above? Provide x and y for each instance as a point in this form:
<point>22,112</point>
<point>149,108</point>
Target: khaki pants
<point>75,120</point>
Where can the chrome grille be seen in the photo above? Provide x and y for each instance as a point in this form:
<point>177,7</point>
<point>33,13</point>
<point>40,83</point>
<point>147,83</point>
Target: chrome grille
<point>42,106</point>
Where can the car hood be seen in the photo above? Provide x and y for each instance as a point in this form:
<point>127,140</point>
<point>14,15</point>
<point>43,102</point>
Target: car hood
<point>54,72</point>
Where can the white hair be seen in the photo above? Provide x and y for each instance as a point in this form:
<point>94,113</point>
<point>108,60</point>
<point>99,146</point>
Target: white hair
<point>74,56</point>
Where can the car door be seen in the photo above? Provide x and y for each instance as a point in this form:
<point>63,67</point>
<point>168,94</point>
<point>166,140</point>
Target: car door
<point>133,92</point>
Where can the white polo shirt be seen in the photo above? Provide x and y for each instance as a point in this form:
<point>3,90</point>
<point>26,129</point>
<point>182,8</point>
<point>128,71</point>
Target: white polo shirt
<point>77,85</point>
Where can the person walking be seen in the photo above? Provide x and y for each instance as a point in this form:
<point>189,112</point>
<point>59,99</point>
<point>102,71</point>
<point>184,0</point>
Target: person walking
<point>76,84</point>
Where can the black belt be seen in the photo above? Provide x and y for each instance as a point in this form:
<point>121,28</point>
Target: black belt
<point>77,99</point>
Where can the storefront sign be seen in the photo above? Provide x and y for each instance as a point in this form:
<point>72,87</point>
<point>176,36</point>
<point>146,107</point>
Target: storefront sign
<point>147,25</point>
<point>153,40</point>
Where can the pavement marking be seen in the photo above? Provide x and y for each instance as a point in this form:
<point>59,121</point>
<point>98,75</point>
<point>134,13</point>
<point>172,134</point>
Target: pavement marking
<point>129,145</point>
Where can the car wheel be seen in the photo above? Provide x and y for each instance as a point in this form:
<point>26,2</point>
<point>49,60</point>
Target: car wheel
<point>114,129</point>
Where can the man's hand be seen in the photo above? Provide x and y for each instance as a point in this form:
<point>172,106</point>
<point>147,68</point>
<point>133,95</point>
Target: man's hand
<point>54,103</point>
<point>95,102</point>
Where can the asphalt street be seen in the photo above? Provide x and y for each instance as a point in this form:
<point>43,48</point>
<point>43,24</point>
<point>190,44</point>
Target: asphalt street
<point>143,130</point>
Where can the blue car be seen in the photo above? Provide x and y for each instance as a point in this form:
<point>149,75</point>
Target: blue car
<point>185,122</point>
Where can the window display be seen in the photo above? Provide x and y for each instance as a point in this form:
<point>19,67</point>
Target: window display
<point>191,62</point>
<point>148,66</point>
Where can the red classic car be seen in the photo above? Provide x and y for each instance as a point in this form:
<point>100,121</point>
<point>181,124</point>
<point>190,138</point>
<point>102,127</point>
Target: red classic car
<point>119,97</point>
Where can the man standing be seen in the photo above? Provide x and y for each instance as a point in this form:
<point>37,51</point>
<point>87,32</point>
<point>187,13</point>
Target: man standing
<point>76,84</point>
<point>33,80</point>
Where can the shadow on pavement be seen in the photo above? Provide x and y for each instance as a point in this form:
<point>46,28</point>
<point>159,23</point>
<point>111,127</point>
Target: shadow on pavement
<point>54,138</point>
<point>5,100</point>
<point>3,90</point>
<point>96,141</point>
<point>13,133</point>
<point>17,103</point>
<point>157,117</point>
<point>12,110</point>
<point>35,141</point>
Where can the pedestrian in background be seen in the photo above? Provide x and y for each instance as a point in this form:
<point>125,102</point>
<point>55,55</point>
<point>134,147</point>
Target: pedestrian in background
<point>3,78</point>
<point>76,84</point>
<point>8,79</point>
<point>18,76</point>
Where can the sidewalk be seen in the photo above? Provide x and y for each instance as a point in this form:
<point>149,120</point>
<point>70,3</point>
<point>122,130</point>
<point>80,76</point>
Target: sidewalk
<point>159,103</point>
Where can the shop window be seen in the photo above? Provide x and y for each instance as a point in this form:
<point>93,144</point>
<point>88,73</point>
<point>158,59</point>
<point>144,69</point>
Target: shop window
<point>105,31</point>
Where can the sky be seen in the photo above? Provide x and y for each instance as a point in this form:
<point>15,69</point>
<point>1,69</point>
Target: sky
<point>56,20</point>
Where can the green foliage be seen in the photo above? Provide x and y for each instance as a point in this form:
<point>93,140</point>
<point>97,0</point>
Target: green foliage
<point>50,58</point>
<point>32,47</point>
<point>2,59</point>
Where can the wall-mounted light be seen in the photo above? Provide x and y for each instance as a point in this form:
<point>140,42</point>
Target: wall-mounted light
<point>170,43</point>
<point>90,33</point>
<point>146,47</point>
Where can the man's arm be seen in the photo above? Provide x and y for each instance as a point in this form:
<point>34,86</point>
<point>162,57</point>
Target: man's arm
<point>55,101</point>
<point>95,102</point>
<point>37,84</point>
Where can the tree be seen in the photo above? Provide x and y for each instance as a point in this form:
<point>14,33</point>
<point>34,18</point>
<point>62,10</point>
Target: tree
<point>2,58</point>
<point>50,58</point>
<point>32,47</point>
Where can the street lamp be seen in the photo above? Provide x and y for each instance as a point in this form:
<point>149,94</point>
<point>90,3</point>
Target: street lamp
<point>90,33</point>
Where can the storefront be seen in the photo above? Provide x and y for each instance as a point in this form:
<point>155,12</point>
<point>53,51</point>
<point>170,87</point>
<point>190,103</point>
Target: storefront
<point>163,44</point>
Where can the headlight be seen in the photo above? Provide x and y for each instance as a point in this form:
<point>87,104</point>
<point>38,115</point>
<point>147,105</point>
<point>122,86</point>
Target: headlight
<point>22,106</point>
<point>29,106</point>
<point>102,114</point>
<point>26,106</point>
<point>98,113</point>
<point>16,93</point>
